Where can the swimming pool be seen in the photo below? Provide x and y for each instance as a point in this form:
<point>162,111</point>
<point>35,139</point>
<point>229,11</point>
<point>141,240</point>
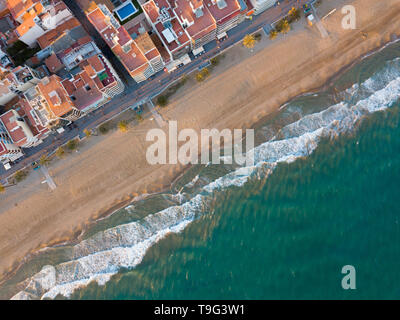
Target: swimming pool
<point>126,10</point>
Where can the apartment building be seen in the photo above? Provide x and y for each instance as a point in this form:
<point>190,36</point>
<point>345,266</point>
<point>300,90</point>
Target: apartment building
<point>226,13</point>
<point>20,128</point>
<point>166,25</point>
<point>93,85</point>
<point>146,45</point>
<point>120,42</point>
<point>262,5</point>
<point>15,82</point>
<point>187,25</point>
<point>8,150</point>
<point>196,20</point>
<point>59,104</point>
<point>71,54</point>
<point>22,125</point>
<point>36,17</point>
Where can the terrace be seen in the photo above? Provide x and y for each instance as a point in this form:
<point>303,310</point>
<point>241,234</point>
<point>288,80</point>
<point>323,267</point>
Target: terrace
<point>127,10</point>
<point>76,55</point>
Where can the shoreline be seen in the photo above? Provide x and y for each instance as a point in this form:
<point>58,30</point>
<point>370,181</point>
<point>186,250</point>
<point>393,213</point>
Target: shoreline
<point>116,207</point>
<point>79,231</point>
<point>77,237</point>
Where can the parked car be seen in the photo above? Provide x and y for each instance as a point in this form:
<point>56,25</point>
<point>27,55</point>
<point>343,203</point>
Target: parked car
<point>35,165</point>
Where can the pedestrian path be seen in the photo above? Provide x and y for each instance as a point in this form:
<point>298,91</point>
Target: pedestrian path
<point>160,121</point>
<point>49,179</point>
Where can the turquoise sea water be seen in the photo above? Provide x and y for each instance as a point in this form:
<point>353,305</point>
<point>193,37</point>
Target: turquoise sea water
<point>323,194</point>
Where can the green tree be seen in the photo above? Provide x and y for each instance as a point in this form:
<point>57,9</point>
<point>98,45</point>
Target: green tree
<point>214,61</point>
<point>123,126</point>
<point>60,152</point>
<point>103,129</point>
<point>257,36</point>
<point>249,41</point>
<point>72,144</point>
<point>162,101</point>
<point>20,175</point>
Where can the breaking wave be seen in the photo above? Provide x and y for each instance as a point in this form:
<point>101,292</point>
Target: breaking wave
<point>102,255</point>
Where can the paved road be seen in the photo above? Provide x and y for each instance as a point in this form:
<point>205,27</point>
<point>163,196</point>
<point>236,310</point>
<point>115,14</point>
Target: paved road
<point>136,92</point>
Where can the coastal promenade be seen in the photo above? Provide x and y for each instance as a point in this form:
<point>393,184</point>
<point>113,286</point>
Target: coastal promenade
<point>134,92</point>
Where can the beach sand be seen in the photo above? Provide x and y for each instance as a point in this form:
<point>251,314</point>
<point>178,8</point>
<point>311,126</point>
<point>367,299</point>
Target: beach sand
<point>244,88</point>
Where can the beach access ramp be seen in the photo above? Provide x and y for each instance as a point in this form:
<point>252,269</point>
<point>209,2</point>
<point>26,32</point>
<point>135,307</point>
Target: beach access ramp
<point>318,23</point>
<point>49,179</point>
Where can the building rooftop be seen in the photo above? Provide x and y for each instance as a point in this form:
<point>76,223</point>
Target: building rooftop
<point>144,42</point>
<point>52,35</point>
<point>19,7</point>
<point>22,122</point>
<point>222,10</point>
<point>71,56</point>
<point>55,95</point>
<point>198,19</point>
<point>118,39</point>
<point>96,63</point>
<point>166,23</point>
<point>15,132</point>
<point>53,63</point>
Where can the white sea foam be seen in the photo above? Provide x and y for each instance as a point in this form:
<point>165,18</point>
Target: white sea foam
<point>102,255</point>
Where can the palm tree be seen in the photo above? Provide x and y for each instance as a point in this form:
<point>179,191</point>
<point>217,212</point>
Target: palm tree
<point>285,26</point>
<point>294,14</point>
<point>72,144</point>
<point>44,159</point>
<point>249,41</point>
<point>123,126</point>
<point>162,101</point>
<point>87,132</point>
<point>273,34</point>
<point>139,117</point>
<point>60,152</point>
<point>200,76</point>
<point>20,175</point>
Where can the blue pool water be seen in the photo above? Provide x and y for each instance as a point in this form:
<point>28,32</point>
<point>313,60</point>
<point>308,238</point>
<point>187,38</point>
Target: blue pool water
<point>126,11</point>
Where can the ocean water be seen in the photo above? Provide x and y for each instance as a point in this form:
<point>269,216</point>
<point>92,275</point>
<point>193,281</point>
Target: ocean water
<point>323,194</point>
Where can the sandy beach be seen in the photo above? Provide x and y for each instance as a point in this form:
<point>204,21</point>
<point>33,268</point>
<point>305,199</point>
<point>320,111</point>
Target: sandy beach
<point>244,88</point>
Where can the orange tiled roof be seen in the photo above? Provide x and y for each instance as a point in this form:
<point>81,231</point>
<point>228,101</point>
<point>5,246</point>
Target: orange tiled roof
<point>131,57</point>
<point>55,95</point>
<point>201,25</point>
<point>95,62</point>
<point>19,7</point>
<point>49,37</point>
<point>53,63</point>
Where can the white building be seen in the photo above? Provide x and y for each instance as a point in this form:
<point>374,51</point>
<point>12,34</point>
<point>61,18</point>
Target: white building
<point>262,5</point>
<point>16,82</point>
<point>39,18</point>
